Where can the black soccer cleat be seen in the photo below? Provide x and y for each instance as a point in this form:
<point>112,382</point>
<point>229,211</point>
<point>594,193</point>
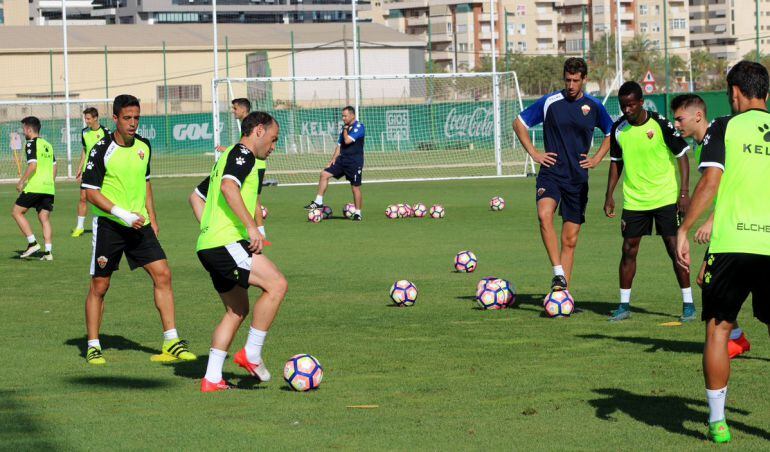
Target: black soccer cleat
<point>356,217</point>
<point>559,282</point>
<point>314,205</point>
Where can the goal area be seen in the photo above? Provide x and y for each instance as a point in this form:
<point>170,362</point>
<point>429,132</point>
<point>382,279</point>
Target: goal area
<point>418,126</point>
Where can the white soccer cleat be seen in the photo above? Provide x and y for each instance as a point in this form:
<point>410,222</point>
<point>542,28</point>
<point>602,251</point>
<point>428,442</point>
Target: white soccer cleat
<point>31,249</point>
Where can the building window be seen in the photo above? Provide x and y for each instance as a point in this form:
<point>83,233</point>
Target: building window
<point>678,24</point>
<point>461,28</point>
<point>521,10</point>
<point>449,28</point>
<point>657,10</point>
<point>574,45</point>
<point>599,9</point>
<point>655,27</point>
<point>642,10</point>
<point>179,93</point>
<point>523,29</point>
<point>511,29</point>
<point>522,45</point>
<point>643,27</point>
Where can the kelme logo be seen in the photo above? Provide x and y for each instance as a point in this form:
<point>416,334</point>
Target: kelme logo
<point>765,130</point>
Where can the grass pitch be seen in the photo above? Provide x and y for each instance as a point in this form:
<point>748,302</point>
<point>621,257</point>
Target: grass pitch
<point>439,375</point>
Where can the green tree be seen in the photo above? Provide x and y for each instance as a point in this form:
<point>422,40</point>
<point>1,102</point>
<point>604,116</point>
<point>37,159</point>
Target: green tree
<point>640,56</point>
<point>601,61</point>
<point>703,66</point>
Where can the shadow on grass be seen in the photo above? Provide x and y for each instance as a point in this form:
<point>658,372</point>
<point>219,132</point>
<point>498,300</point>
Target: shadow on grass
<point>19,430</point>
<point>195,370</point>
<point>110,341</point>
<point>667,412</point>
<point>653,344</point>
<point>119,382</point>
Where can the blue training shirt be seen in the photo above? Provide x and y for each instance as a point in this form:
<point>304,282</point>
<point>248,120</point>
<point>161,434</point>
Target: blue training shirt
<point>355,149</point>
<point>568,128</point>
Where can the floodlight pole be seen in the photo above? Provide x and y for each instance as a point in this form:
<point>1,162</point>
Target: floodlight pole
<point>495,92</point>
<point>67,124</point>
<point>356,62</point>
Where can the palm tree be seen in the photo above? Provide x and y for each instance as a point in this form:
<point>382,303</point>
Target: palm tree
<point>601,61</point>
<point>640,56</point>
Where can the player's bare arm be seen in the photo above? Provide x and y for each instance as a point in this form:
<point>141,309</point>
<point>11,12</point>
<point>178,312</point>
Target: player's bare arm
<point>29,172</point>
<point>594,161</point>
<point>704,195</point>
<point>96,198</point>
<point>150,205</point>
<point>522,133</point>
<point>683,201</point>
<point>79,175</point>
<point>232,193</point>
<point>616,169</point>
<point>703,233</point>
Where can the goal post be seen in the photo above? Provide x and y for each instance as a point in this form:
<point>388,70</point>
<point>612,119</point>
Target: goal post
<point>418,126</point>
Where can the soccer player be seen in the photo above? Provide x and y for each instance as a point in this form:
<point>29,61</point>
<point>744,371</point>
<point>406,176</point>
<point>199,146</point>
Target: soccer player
<point>37,189</point>
<point>347,160</point>
<point>91,134</point>
<point>646,145</point>
<point>735,162</point>
<point>117,183</point>
<point>691,120</point>
<point>230,245</point>
<point>569,118</point>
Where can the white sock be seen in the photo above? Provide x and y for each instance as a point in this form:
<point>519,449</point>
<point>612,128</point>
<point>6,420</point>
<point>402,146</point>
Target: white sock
<point>558,270</point>
<point>319,199</point>
<point>687,295</point>
<point>81,223</point>
<point>94,343</point>
<point>625,295</point>
<point>254,344</point>
<point>214,367</point>
<point>170,335</point>
<point>716,398</point>
<point>31,239</point>
<point>735,334</point>
<point>358,211</point>
<point>48,247</point>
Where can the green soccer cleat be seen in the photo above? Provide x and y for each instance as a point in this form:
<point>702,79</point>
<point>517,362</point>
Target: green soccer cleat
<point>622,313</point>
<point>719,432</point>
<point>77,232</point>
<point>688,312</point>
<point>94,356</point>
<point>174,350</point>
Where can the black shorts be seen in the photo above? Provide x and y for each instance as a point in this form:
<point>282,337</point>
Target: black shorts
<point>111,240</point>
<point>40,201</point>
<point>636,223</point>
<point>350,167</point>
<point>202,189</point>
<point>728,281</point>
<point>572,198</point>
<point>228,265</point>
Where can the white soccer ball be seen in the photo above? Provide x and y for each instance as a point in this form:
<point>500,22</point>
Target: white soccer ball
<point>349,210</point>
<point>420,210</point>
<point>497,203</point>
<point>315,215</point>
<point>391,212</point>
<point>437,211</point>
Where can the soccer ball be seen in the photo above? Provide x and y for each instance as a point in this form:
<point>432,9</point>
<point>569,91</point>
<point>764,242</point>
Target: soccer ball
<point>420,210</point>
<point>511,289</point>
<point>483,283</point>
<point>437,211</point>
<point>402,210</point>
<point>409,211</point>
<point>349,210</point>
<point>559,304</point>
<point>303,372</point>
<point>391,212</point>
<point>326,211</point>
<point>264,212</point>
<point>315,215</point>
<point>492,296</point>
<point>403,293</point>
<point>497,203</point>
<point>465,261</point>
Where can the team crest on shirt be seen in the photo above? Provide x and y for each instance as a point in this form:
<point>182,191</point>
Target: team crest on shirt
<point>650,134</point>
<point>586,109</point>
<point>101,261</point>
<point>140,153</point>
<point>540,191</point>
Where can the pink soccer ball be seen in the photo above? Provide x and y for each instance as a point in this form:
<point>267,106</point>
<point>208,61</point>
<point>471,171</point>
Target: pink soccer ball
<point>492,296</point>
<point>403,293</point>
<point>315,216</point>
<point>465,261</point>
<point>327,212</point>
<point>391,212</point>
<point>437,211</point>
<point>303,372</point>
<point>349,210</point>
<point>559,304</point>
<point>420,210</point>
<point>497,203</point>
<point>403,210</point>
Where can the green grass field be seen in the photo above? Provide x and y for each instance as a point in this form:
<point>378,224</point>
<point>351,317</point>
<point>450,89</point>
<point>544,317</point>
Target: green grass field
<point>444,375</point>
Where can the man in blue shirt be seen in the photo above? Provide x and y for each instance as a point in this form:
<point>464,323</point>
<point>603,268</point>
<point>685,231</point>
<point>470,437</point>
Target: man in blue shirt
<point>347,160</point>
<point>569,118</point>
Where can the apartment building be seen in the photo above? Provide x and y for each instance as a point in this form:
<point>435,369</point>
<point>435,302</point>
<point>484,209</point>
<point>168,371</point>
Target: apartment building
<point>728,28</point>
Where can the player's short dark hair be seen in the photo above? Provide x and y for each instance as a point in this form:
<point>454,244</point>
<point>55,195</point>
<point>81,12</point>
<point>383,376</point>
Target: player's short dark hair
<point>350,109</point>
<point>631,87</point>
<point>254,119</point>
<point>751,78</point>
<point>576,65</point>
<point>687,101</point>
<point>243,102</point>
<point>124,101</point>
<point>32,121</point>
<point>91,111</point>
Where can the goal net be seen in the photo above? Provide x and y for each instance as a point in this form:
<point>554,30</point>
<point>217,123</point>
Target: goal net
<point>418,126</point>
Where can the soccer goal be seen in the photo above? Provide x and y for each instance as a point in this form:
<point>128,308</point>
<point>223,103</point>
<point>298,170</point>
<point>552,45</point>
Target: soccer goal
<point>53,118</point>
<point>418,126</point>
